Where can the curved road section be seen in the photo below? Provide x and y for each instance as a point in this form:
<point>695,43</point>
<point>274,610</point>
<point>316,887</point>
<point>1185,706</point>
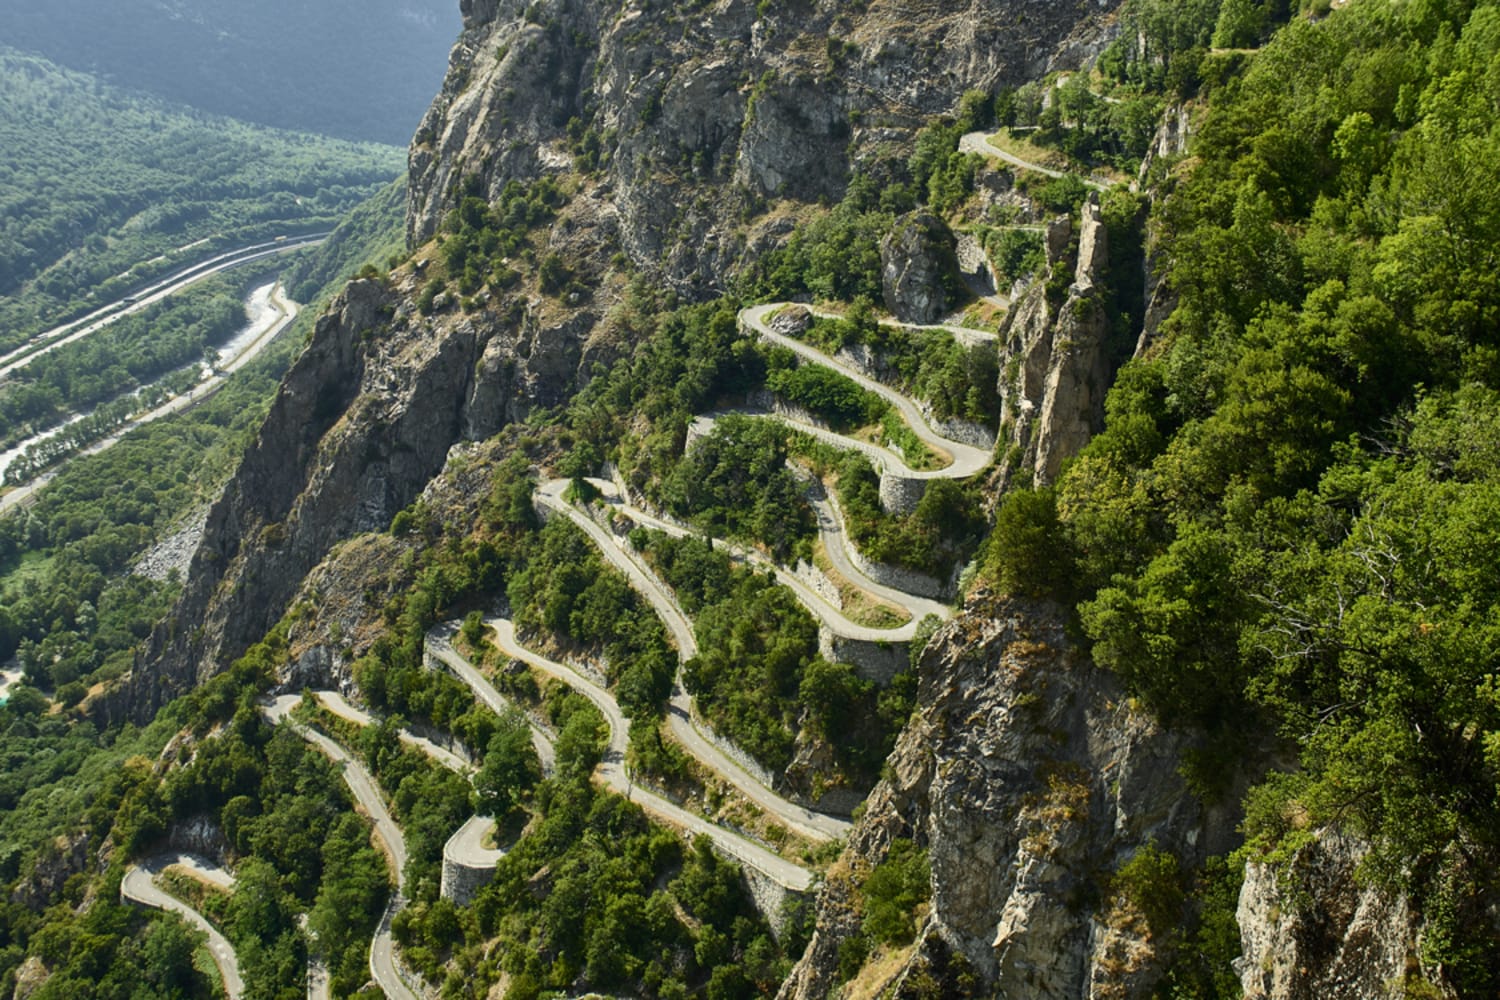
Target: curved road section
<point>382,947</point>
<point>834,541</point>
<point>814,825</point>
<point>978,142</point>
<point>966,459</point>
<point>469,840</point>
<point>466,846</point>
<point>139,886</point>
<point>612,769</point>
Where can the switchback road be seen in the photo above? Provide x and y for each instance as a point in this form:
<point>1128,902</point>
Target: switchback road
<point>139,886</point>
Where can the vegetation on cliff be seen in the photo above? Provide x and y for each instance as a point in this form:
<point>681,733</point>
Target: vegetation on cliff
<point>1289,515</point>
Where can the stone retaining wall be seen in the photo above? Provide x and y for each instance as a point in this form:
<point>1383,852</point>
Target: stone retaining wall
<point>899,578</point>
<point>876,660</point>
<point>731,750</point>
<point>461,882</point>
<point>900,494</point>
<point>768,896</point>
<point>818,582</point>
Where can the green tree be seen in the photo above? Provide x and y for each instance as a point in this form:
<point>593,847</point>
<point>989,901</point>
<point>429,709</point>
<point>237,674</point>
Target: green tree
<point>510,766</point>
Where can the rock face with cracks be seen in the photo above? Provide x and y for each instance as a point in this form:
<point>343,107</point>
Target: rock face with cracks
<point>697,117</point>
<point>674,126</point>
<point>917,264</point>
<point>1313,928</point>
<point>1029,779</point>
<point>1057,355</point>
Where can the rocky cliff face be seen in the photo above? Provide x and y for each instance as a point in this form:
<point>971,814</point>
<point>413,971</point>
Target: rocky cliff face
<point>702,114</point>
<point>1056,356</point>
<point>676,124</point>
<point>361,423</point>
<point>1313,928</point>
<point>1030,780</point>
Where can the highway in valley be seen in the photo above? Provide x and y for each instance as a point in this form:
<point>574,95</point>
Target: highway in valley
<point>271,312</point>
<point>51,340</point>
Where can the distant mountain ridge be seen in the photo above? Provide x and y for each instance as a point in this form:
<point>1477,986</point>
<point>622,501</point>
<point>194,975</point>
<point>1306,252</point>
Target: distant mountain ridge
<point>269,62</point>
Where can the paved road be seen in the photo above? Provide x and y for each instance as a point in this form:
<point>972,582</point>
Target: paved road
<point>612,770</point>
<point>139,886</point>
<point>966,335</point>
<point>281,311</point>
<point>834,540</point>
<point>680,717</point>
<point>382,947</point>
<point>966,459</point>
<point>339,706</point>
<point>440,645</point>
<point>47,342</point>
<point>466,846</point>
<point>978,142</point>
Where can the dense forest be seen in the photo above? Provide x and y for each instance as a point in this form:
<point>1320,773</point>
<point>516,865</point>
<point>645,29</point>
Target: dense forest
<point>1290,516</point>
<point>270,63</point>
<point>101,186</point>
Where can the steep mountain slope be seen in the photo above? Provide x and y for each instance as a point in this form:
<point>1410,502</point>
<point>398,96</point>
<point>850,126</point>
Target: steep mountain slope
<point>380,364</point>
<point>1218,714</point>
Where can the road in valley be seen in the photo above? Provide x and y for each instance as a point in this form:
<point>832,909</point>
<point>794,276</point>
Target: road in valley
<point>273,312</point>
<point>367,793</point>
<point>51,340</point>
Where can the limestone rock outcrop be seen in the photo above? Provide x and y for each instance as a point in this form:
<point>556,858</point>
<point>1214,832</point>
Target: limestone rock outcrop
<point>1028,778</point>
<point>362,422</point>
<point>1056,356</point>
<point>699,120</point>
<point>917,267</point>
<point>1313,929</point>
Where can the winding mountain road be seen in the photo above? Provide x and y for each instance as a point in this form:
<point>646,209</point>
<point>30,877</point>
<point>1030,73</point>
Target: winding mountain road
<point>680,715</point>
<point>466,846</point>
<point>612,770</point>
<point>382,948</point>
<point>339,706</point>
<point>979,142</point>
<point>60,336</point>
<point>966,335</point>
<point>835,542</point>
<point>966,459</point>
<point>139,886</point>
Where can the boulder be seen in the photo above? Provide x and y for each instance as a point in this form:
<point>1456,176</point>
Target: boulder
<point>917,267</point>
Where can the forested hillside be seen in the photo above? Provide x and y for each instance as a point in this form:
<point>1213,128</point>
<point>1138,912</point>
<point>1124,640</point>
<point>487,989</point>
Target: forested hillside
<point>1055,554</point>
<point>356,70</point>
<point>98,187</point>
